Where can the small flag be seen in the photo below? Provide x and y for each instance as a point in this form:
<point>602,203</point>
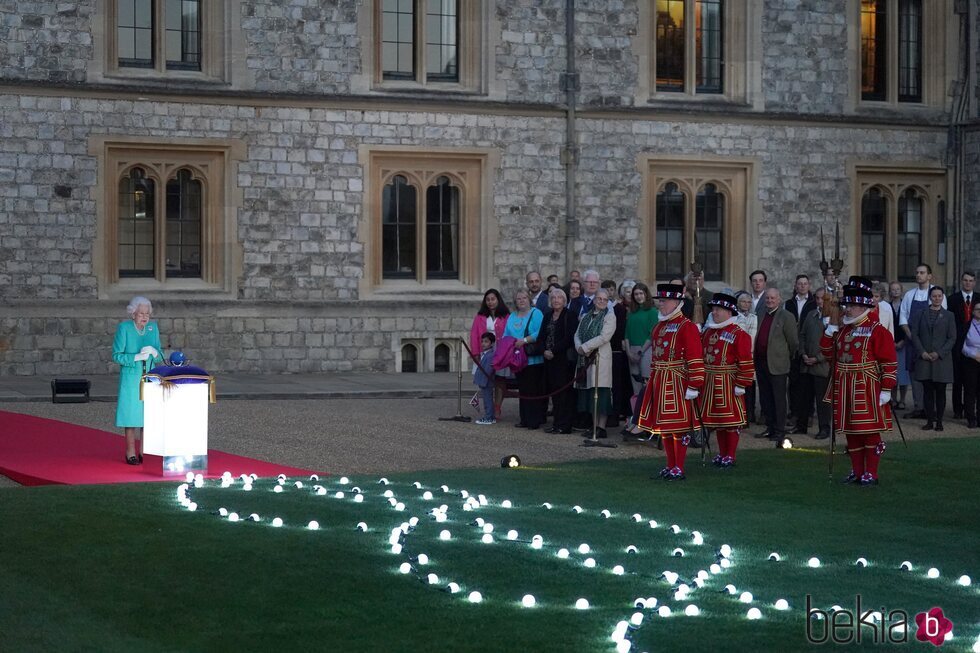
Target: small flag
<point>475,401</point>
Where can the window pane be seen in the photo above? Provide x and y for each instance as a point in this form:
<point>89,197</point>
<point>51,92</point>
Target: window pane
<point>398,212</point>
<point>910,51</point>
<point>135,229</point>
<point>708,41</point>
<point>709,221</point>
<point>134,33</point>
<point>440,40</point>
<point>670,45</point>
<point>874,208</point>
<point>873,49</point>
<point>670,209</point>
<point>183,34</point>
<point>184,218</point>
<point>442,230</point>
<point>909,234</point>
<point>398,40</point>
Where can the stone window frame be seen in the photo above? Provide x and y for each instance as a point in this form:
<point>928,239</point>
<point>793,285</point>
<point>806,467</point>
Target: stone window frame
<point>471,170</point>
<point>930,182</point>
<point>939,57</point>
<point>214,163</point>
<point>474,52</point>
<point>733,179</point>
<point>738,45</point>
<point>219,21</point>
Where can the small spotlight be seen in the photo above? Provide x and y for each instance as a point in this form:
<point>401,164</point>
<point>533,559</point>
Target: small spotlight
<point>663,611</point>
<point>606,514</point>
<point>432,579</point>
<point>753,614</point>
<point>589,562</point>
<point>416,485</point>
<point>445,535</point>
<point>382,481</point>
<point>475,597</point>
<point>506,504</point>
<point>361,526</point>
<point>652,523</point>
<point>745,597</point>
<point>423,559</point>
<point>781,604</point>
<point>509,462</point>
<point>678,553</point>
<point>715,568</point>
<point>512,535</point>
<point>637,518</point>
<point>277,489</point>
<point>487,538</point>
<point>637,618</point>
<point>528,601</point>
<point>932,573</point>
<point>697,539</point>
<point>582,604</point>
<point>233,516</point>
<point>675,529</point>
<point>861,562</point>
<point>813,563</point>
<point>313,525</point>
<point>730,589</point>
<point>427,496</point>
<point>631,549</point>
<point>725,550</point>
<point>964,580</point>
<point>253,517</point>
<point>314,477</point>
<point>692,610</point>
<point>774,557</point>
<point>618,570</point>
<point>546,505</point>
<point>577,509</point>
<point>562,553</point>
<point>725,563</point>
<point>583,548</point>
<point>444,488</point>
<point>405,568</point>
<point>452,588</point>
<point>276,522</point>
<point>344,480</point>
<point>906,566</point>
<point>787,443</point>
<point>358,498</point>
<point>670,576</point>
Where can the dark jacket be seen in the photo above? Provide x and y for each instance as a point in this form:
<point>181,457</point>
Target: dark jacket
<point>810,333</point>
<point>564,333</point>
<point>957,306</point>
<point>940,339</point>
<point>808,306</point>
<point>783,341</point>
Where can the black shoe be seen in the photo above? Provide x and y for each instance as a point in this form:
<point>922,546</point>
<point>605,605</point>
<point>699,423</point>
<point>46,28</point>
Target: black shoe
<point>132,460</point>
<point>520,425</point>
<point>764,434</point>
<point>140,456</point>
<point>799,430</point>
<point>869,482</point>
<point>663,474</point>
<point>676,476</point>
<point>533,428</point>
<point>564,431</point>
<point>928,426</point>
<point>850,478</point>
<point>601,433</point>
<point>551,429</point>
<point>823,434</point>
<point>939,426</point>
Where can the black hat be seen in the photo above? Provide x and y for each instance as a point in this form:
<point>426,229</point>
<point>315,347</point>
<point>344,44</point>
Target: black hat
<point>860,282</point>
<point>856,295</point>
<point>669,291</point>
<point>724,300</point>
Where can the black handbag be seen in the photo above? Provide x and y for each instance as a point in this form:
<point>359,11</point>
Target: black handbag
<point>535,348</point>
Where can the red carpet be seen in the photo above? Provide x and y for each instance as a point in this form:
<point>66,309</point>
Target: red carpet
<point>38,451</point>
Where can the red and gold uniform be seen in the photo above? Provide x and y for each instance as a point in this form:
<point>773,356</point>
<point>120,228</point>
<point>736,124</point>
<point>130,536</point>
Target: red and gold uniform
<point>863,364</point>
<point>676,366</point>
<point>727,366</point>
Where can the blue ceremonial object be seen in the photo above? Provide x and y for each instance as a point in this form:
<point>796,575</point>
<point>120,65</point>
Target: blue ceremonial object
<point>166,371</point>
<point>177,359</point>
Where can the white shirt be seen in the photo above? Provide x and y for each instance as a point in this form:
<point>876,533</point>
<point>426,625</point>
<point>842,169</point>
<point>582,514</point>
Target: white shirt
<point>914,295</point>
<point>755,300</point>
<point>886,317</point>
<point>800,303</point>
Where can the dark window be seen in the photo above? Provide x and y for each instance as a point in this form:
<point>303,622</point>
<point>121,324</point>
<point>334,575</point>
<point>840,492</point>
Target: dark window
<point>670,231</point>
<point>441,40</point>
<point>136,229</point>
<point>708,45</point>
<point>442,230</point>
<point>909,234</point>
<point>440,358</point>
<point>873,49</point>
<point>398,230</point>
<point>134,33</point>
<point>183,34</point>
<point>910,51</point>
<point>709,223</point>
<point>874,212</point>
<point>410,359</point>
<point>184,206</point>
<point>398,39</point>
<point>670,45</point>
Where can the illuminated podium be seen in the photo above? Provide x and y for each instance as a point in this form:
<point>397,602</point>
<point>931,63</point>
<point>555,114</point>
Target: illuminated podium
<point>175,420</point>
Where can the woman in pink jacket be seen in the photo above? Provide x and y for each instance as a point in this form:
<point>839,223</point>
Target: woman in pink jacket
<point>492,317</point>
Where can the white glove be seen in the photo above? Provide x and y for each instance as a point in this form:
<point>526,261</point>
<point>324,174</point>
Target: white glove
<point>691,394</point>
<point>884,397</point>
<point>826,321</point>
<point>150,352</point>
<point>831,330</point>
<point>739,391</point>
<point>142,356</point>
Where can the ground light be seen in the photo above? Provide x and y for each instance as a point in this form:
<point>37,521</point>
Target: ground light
<point>475,597</point>
<point>906,566</point>
<point>528,601</point>
<point>754,613</point>
<point>582,604</point>
<point>781,604</point>
<point>510,462</point>
<point>964,580</point>
<point>692,610</point>
<point>787,443</point>
<point>813,563</point>
<point>932,573</point>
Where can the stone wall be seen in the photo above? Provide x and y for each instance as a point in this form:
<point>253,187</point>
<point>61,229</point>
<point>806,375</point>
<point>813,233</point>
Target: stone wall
<point>971,199</point>
<point>50,41</point>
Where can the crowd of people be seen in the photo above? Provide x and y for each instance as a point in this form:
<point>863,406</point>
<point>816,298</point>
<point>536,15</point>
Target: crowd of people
<point>591,347</point>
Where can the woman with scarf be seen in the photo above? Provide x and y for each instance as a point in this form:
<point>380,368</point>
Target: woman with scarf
<point>558,331</point>
<point>595,332</point>
<point>524,325</point>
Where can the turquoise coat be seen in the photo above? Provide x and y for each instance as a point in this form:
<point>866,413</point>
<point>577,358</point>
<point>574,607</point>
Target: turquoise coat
<point>127,343</point>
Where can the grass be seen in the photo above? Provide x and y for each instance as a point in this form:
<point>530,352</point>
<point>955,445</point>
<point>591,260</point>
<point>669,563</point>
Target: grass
<point>125,568</point>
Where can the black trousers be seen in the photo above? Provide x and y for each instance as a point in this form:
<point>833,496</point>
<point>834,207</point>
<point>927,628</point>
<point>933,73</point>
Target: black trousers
<point>935,400</point>
<point>772,396</point>
<point>558,373</point>
<point>530,383</point>
<point>622,385</point>
<point>959,371</point>
<point>971,388</point>
<point>813,388</point>
<point>795,398</point>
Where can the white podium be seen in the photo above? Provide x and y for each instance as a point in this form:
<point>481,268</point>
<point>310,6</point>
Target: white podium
<point>175,427</point>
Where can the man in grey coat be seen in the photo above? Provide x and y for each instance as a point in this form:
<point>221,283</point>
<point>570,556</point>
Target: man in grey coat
<point>814,371</point>
<point>934,334</point>
<point>775,345</point>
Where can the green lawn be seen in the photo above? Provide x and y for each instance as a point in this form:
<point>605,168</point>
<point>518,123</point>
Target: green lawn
<point>113,568</point>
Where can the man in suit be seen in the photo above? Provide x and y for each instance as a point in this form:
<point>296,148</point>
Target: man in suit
<point>590,284</point>
<point>799,306</point>
<point>539,296</point>
<point>961,306</point>
<point>775,346</point>
<point>758,280</point>
<point>814,371</point>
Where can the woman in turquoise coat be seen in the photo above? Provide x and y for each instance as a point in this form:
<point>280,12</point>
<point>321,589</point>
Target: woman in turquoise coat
<point>136,347</point>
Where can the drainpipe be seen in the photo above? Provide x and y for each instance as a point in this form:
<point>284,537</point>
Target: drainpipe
<point>568,229</point>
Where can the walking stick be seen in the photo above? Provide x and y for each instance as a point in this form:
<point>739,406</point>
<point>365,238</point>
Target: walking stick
<point>705,435</point>
<point>594,440</point>
<point>459,416</point>
<point>899,425</point>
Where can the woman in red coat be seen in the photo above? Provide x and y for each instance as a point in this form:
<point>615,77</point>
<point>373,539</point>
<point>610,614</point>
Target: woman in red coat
<point>492,318</point>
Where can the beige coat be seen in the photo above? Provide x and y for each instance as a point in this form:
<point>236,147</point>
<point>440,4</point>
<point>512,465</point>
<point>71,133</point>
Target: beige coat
<point>601,344</point>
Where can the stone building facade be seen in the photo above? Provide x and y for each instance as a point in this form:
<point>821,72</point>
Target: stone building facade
<point>294,126</point>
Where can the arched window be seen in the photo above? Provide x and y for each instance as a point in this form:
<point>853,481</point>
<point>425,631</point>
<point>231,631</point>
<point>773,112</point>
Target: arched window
<point>671,209</point>
<point>410,360</point>
<point>709,223</point>
<point>874,212</point>
<point>184,212</point>
<point>909,234</point>
<point>441,358</point>
<point>442,230</point>
<point>398,231</point>
<point>137,199</point>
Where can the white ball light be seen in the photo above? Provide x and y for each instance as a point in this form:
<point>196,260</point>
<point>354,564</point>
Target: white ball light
<point>277,489</point>
<point>725,563</point>
<point>423,559</point>
<point>637,617</point>
<point>223,512</point>
<point>684,587</point>
<point>536,544</point>
<point>606,514</point>
<point>699,582</point>
<point>358,498</point>
<point>198,477</point>
<point>396,548</point>
<point>528,601</point>
<point>198,483</point>
<point>680,596</point>
<point>445,535</point>
<point>976,646</point>
<point>488,528</point>
<point>512,535</point>
<point>432,579</point>
<point>906,566</point>
<point>344,480</point>
<point>233,516</point>
<point>697,539</point>
<point>281,480</point>
<point>546,505</point>
<point>583,548</point>
<point>813,563</point>
<point>487,538</point>
<point>754,613</point>
<point>781,604</point>
<point>361,526</point>
<point>464,494</point>
<point>189,477</point>
<point>964,580</point>
<point>675,529</point>
<point>623,646</point>
<point>703,575</point>
<point>475,597</point>
<point>388,494</point>
<point>427,496</point>
<point>730,589</point>
<point>745,597</point>
<point>774,557</point>
<point>715,569</point>
<point>653,523</point>
<point>537,538</point>
<point>932,573</point>
<point>562,553</point>
<point>405,568</point>
<point>276,522</point>
<point>247,487</point>
<point>453,588</point>
<point>400,507</point>
<point>313,525</point>
<point>663,611</point>
<point>678,553</point>
<point>637,518</point>
<point>192,506</point>
<point>582,604</point>
<point>589,562</point>
<point>861,562</point>
<point>631,549</point>
<point>506,504</point>
<point>725,550</point>
<point>618,570</point>
<point>692,610</point>
<point>444,488</point>
<point>651,602</point>
<point>670,576</point>
<point>479,522</point>
<point>577,509</point>
<point>835,608</point>
<point>299,485</point>
<point>482,499</point>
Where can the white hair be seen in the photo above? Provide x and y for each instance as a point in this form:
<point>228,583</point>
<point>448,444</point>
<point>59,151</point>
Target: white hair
<point>136,302</point>
<point>591,273</point>
<point>559,291</point>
